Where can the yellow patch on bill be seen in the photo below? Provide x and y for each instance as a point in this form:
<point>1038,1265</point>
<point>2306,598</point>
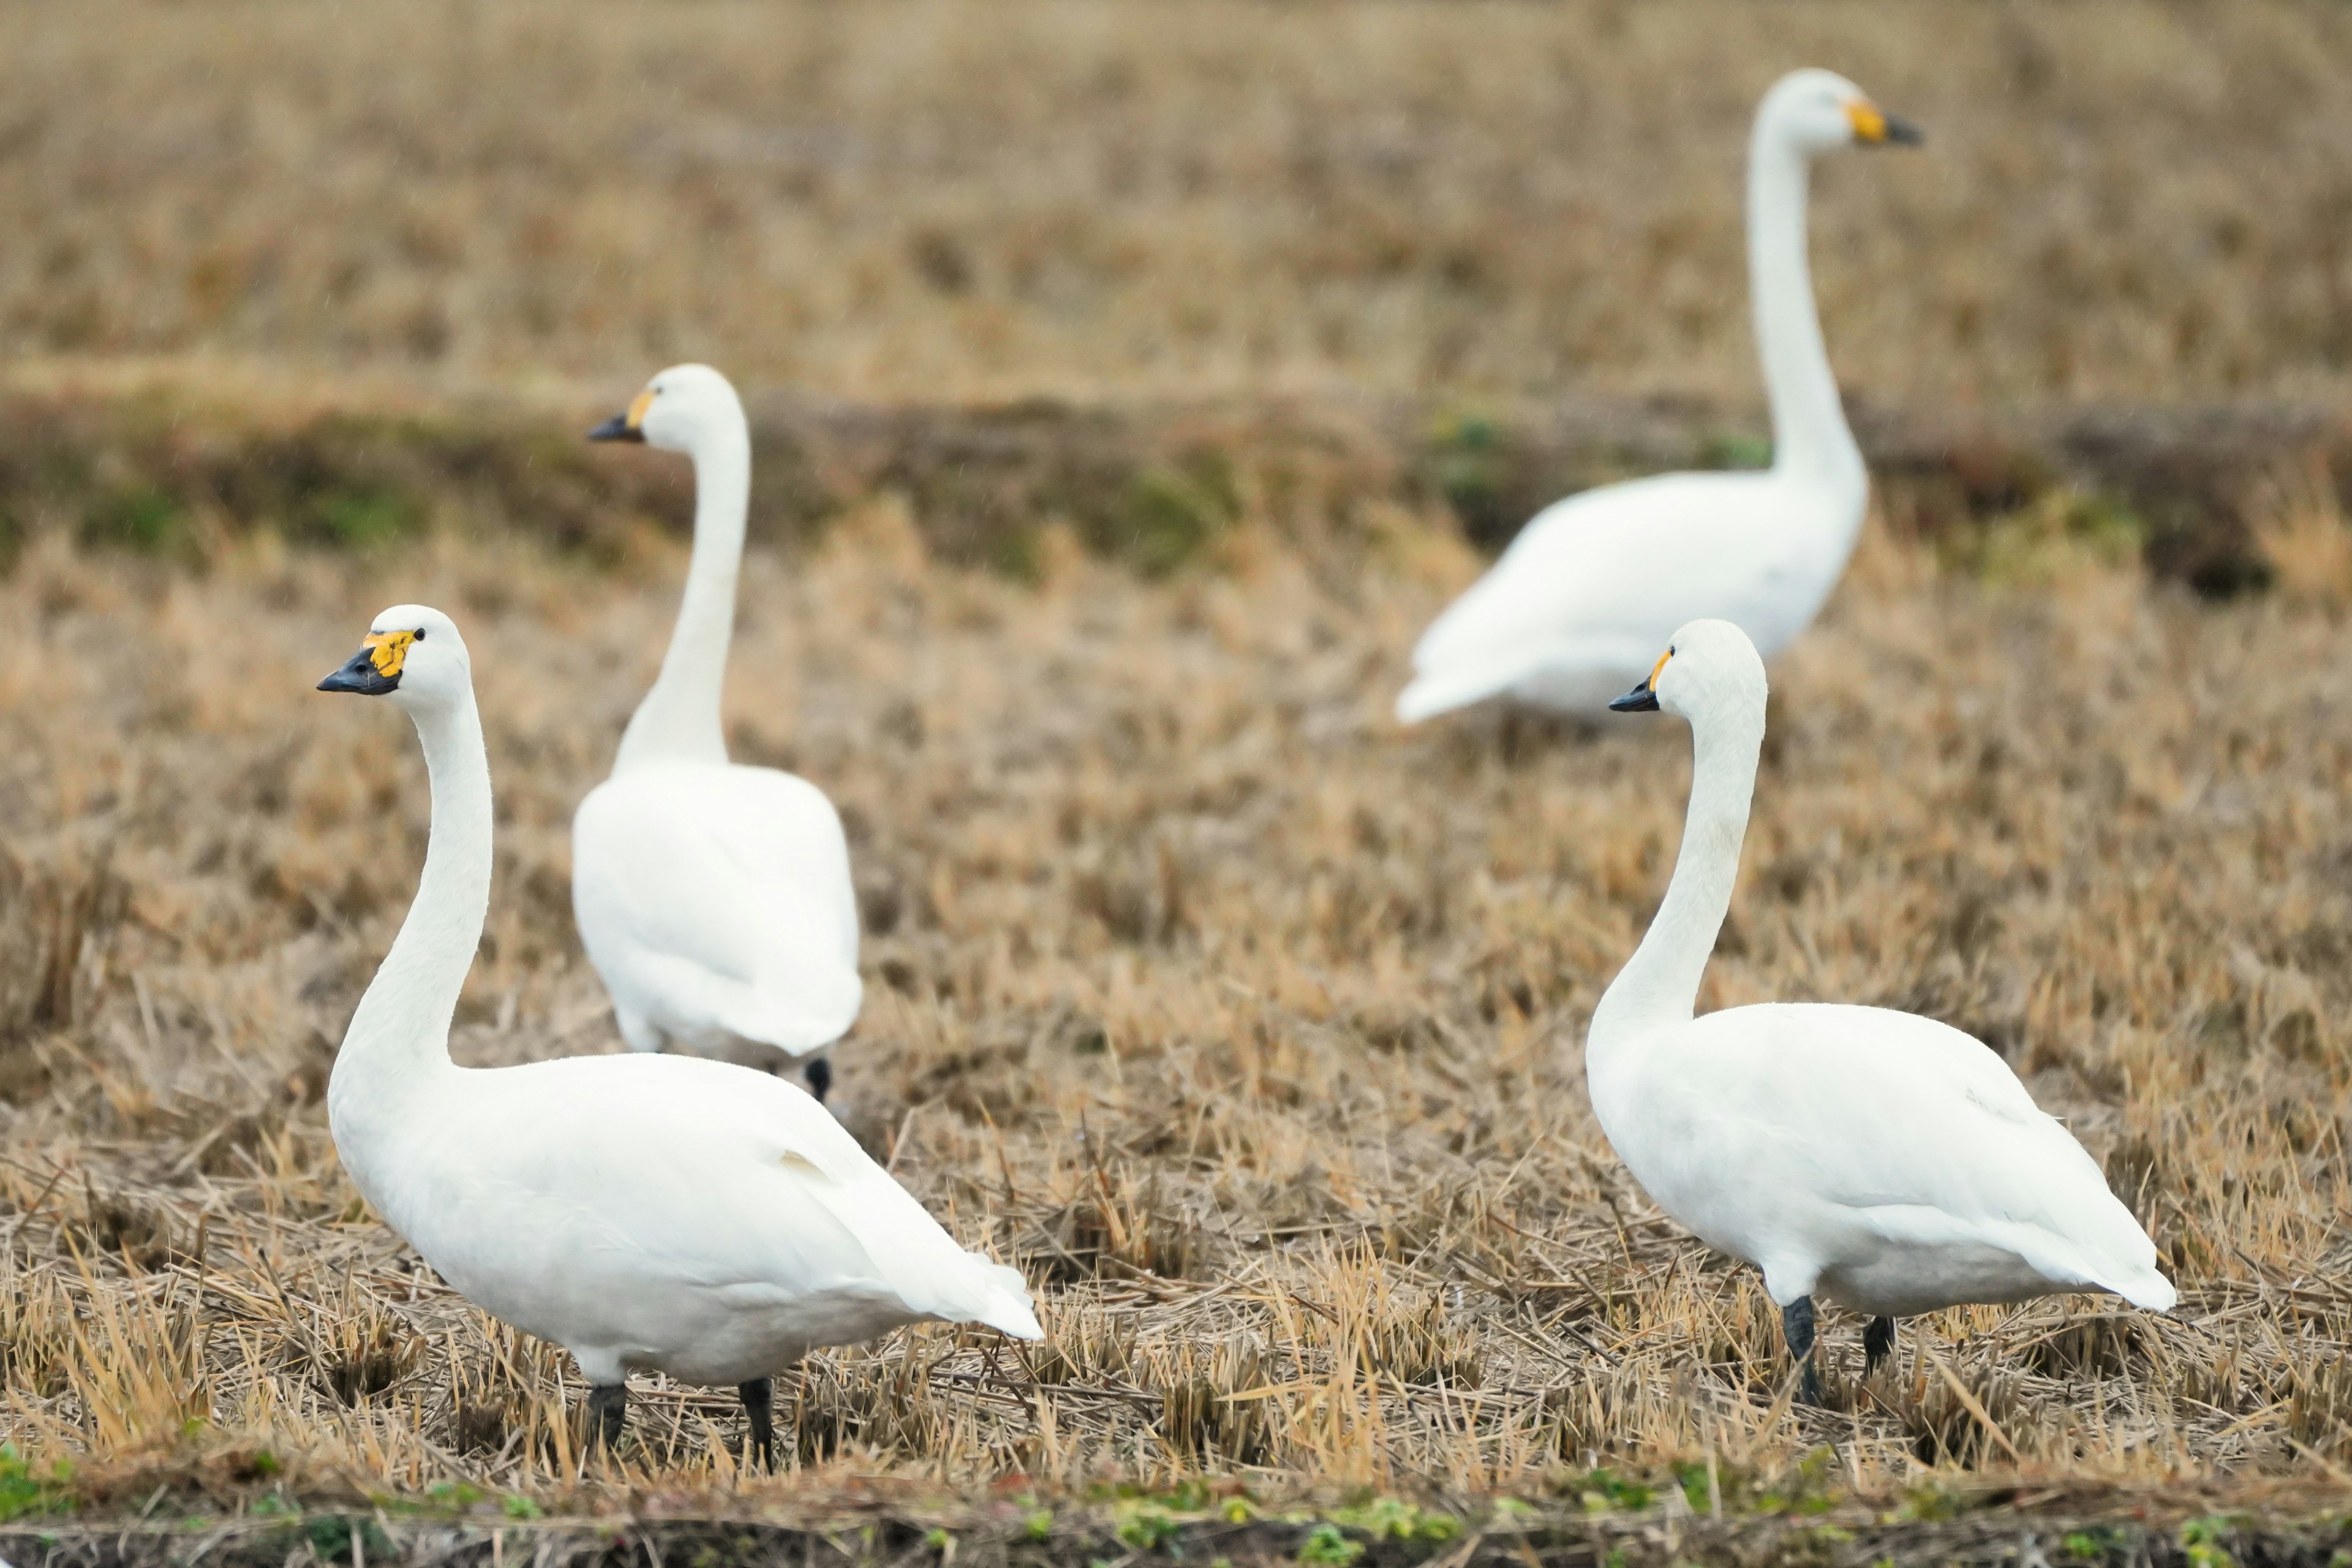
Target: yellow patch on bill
<point>1653,682</point>
<point>644,401</point>
<point>388,651</point>
<point>1869,120</point>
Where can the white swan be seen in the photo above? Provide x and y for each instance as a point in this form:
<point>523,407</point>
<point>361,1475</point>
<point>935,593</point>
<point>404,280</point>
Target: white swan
<point>649,1212</point>
<point>1885,1161</point>
<point>714,900</point>
<point>1580,603</point>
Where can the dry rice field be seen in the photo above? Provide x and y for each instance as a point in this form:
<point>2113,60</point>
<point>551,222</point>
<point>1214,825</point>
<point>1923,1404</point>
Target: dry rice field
<point>1248,1025</point>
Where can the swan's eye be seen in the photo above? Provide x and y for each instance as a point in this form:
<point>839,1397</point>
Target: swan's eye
<point>420,634</point>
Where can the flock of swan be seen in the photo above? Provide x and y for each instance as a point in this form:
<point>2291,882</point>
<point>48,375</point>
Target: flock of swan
<point>668,1212</point>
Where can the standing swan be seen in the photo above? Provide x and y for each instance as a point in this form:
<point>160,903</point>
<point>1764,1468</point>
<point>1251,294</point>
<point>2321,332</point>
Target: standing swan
<point>646,1212</point>
<point>1886,1161</point>
<point>1578,605</point>
<point>715,901</point>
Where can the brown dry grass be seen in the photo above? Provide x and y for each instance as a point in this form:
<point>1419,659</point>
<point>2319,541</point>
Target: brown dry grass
<point>1248,1025</point>
<point>2124,198</point>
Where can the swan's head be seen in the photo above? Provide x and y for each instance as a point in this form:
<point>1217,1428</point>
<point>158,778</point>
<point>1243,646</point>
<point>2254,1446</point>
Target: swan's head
<point>412,655</point>
<point>1817,110</point>
<point>676,411</point>
<point>1709,666</point>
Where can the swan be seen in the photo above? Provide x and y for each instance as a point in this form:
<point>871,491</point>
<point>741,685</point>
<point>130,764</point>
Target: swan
<point>1585,595</point>
<point>715,901</point>
<point>1885,1161</point>
<point>648,1212</point>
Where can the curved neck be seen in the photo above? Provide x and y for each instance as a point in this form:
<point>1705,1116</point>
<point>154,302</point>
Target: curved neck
<point>1809,428</point>
<point>679,719</point>
<point>399,1037</point>
<point>1659,985</point>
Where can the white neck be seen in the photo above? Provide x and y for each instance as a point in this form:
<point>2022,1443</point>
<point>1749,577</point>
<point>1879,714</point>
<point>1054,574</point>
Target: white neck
<point>398,1042</point>
<point>1659,985</point>
<point>1810,437</point>
<point>679,717</point>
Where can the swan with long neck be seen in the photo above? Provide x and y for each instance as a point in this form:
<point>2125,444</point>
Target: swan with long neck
<point>648,1212</point>
<point>715,901</point>
<point>1578,604</point>
<point>1883,1160</point>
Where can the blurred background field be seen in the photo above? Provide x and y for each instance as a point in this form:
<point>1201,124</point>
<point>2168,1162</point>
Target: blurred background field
<point>1129,383</point>
<point>345,270</point>
<point>920,199</point>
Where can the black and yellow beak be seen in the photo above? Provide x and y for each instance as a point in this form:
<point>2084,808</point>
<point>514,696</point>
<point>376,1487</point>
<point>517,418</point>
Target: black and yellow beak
<point>629,427</point>
<point>1642,698</point>
<point>1874,127</point>
<point>375,669</point>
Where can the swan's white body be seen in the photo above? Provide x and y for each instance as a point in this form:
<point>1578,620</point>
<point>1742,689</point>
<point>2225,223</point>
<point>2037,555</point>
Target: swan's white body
<point>1581,603</point>
<point>1594,586</point>
<point>1885,1161</point>
<point>646,1212</point>
<point>715,901</point>
<point>769,950</point>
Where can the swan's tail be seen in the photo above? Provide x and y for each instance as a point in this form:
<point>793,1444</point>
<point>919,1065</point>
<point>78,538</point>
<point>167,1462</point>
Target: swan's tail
<point>2150,1290</point>
<point>919,1260</point>
<point>1007,1308</point>
<point>807,1023</point>
<point>1439,691</point>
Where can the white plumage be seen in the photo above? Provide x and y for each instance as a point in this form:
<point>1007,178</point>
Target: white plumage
<point>1887,1162</point>
<point>1594,584</point>
<point>648,1212</point>
<point>715,901</point>
<point>1581,603</point>
<point>716,904</point>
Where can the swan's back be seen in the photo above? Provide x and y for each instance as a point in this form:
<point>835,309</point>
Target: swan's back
<point>1595,586</point>
<point>596,1199</point>
<point>1785,1126</point>
<point>718,898</point>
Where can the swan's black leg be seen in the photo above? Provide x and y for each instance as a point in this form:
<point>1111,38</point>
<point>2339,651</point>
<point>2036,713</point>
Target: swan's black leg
<point>1878,1343</point>
<point>819,1074</point>
<point>1797,1328</point>
<point>608,1408</point>
<point>759,1408</point>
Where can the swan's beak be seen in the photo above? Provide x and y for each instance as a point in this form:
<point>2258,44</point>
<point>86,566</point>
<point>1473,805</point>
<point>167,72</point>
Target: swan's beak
<point>629,427</point>
<point>1874,127</point>
<point>375,669</point>
<point>1642,698</point>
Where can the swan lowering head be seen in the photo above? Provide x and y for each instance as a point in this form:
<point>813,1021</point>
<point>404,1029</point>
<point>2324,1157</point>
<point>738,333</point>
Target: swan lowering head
<point>411,653</point>
<point>1818,110</point>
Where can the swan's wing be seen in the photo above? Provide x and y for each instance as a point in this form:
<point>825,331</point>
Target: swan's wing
<point>722,896</point>
<point>1908,1125</point>
<point>722,1177</point>
<point>1601,581</point>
